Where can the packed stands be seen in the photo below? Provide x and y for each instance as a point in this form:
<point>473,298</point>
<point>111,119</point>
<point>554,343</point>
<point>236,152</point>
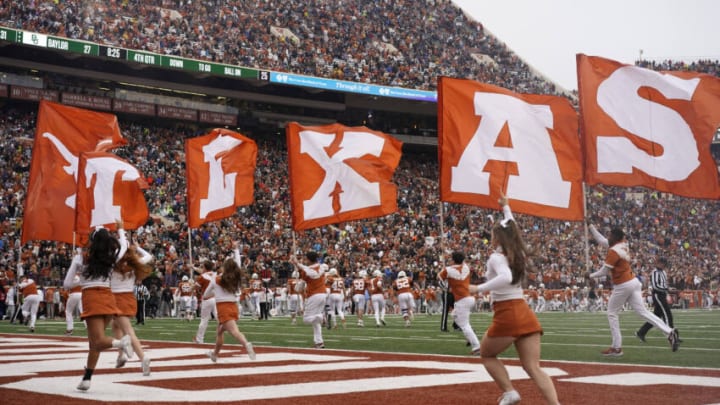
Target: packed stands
<point>683,230</point>
<point>398,43</point>
<point>392,43</point>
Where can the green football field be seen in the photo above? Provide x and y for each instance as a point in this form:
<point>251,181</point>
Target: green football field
<point>568,336</point>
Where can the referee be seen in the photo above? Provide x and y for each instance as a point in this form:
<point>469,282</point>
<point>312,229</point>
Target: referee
<point>448,301</point>
<point>661,308</point>
<point>141,295</point>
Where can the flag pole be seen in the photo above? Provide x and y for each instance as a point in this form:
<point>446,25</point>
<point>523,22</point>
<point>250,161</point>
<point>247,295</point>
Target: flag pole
<point>442,233</point>
<point>585,226</point>
<point>445,292</point>
<point>190,258</point>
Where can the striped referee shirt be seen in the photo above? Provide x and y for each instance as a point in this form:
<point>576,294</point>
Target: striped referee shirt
<point>141,292</point>
<point>658,280</point>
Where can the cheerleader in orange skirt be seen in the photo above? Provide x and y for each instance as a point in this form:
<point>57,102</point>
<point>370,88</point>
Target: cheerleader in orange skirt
<point>98,302</point>
<point>513,321</point>
<point>130,270</point>
<point>225,287</point>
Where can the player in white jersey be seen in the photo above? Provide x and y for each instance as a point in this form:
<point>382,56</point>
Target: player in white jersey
<point>183,295</point>
<point>377,291</point>
<point>336,297</point>
<point>295,288</point>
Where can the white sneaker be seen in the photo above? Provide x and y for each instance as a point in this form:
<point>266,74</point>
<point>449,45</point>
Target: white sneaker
<point>146,365</point>
<point>121,360</point>
<point>211,354</point>
<point>126,345</point>
<point>509,398</point>
<point>251,351</point>
<point>84,385</point>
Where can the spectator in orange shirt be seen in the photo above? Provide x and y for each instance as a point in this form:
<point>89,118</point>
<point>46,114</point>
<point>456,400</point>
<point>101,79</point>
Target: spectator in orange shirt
<point>422,279</point>
<point>49,302</point>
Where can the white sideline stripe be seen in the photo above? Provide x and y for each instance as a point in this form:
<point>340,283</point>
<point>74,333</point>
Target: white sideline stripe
<point>638,346</point>
<point>114,387</point>
<point>30,342</point>
<point>58,346</point>
<point>111,387</point>
<point>75,361</point>
<point>640,379</point>
<point>65,354</point>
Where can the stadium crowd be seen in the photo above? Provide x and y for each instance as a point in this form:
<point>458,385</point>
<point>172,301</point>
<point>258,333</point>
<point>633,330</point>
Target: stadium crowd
<point>398,43</point>
<point>392,43</point>
<point>703,66</point>
<point>683,230</point>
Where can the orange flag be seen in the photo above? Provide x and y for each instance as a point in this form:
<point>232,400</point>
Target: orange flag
<point>109,189</point>
<point>340,173</point>
<point>220,169</point>
<point>62,133</point>
<point>646,128</point>
<point>492,141</point>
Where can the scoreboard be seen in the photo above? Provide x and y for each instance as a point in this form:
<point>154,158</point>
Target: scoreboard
<point>200,66</point>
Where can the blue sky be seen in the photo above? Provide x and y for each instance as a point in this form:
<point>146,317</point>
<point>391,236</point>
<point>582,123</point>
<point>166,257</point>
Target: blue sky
<point>548,33</point>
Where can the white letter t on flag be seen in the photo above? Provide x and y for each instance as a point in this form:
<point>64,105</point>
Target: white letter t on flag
<point>105,168</point>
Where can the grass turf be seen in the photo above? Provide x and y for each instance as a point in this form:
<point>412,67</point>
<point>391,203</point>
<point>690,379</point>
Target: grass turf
<point>568,336</point>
